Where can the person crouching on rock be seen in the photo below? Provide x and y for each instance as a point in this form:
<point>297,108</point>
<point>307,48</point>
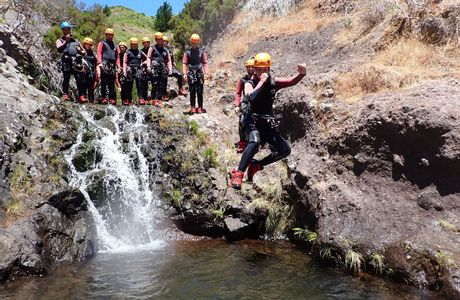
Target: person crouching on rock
<point>107,54</point>
<point>90,74</point>
<point>242,107</point>
<point>175,72</point>
<point>131,71</point>
<point>71,49</point>
<point>259,123</point>
<point>159,64</point>
<point>120,79</point>
<point>195,68</point>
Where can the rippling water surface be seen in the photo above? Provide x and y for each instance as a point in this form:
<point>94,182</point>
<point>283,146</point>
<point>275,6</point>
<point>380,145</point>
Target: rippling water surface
<point>206,270</point>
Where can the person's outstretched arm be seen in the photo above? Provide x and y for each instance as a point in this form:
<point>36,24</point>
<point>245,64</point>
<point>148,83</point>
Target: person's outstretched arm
<point>281,83</point>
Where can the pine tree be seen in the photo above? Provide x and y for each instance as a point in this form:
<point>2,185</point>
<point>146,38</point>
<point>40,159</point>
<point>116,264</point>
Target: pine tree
<point>163,16</point>
<point>107,11</point>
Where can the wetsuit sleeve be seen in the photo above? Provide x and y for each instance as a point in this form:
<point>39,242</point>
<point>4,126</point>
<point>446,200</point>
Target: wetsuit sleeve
<point>185,63</point>
<point>100,49</point>
<point>281,83</point>
<point>169,61</point>
<point>239,90</point>
<point>125,62</point>
<point>60,45</point>
<point>204,61</point>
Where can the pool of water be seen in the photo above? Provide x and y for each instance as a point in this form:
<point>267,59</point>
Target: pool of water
<point>210,269</point>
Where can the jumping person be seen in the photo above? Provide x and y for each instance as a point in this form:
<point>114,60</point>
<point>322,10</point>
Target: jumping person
<point>107,55</point>
<point>132,71</point>
<point>90,74</point>
<point>159,63</point>
<point>72,51</point>
<point>195,68</point>
<point>259,123</point>
<point>121,80</point>
<point>242,107</point>
<point>175,72</point>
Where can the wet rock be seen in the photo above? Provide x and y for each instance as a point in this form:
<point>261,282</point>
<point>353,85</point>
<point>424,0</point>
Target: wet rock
<point>202,223</point>
<point>86,157</point>
<point>238,230</point>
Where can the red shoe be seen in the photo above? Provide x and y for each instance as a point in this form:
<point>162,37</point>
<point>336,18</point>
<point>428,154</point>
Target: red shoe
<point>66,97</point>
<point>126,102</point>
<point>157,102</point>
<point>182,92</point>
<point>240,146</point>
<point>200,110</point>
<point>237,179</point>
<point>253,168</point>
<point>192,110</point>
<point>141,102</point>
<point>104,101</point>
<point>82,99</point>
<point>113,101</point>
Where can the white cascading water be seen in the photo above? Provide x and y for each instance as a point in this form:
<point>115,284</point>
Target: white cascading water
<point>126,219</point>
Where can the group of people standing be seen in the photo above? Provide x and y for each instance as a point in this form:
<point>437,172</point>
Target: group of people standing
<point>118,67</point>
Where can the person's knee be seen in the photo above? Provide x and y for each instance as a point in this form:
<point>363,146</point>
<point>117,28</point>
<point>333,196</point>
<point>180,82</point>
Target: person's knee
<point>285,150</point>
<point>254,137</point>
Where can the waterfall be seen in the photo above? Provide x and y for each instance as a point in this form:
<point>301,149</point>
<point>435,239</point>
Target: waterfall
<point>117,186</point>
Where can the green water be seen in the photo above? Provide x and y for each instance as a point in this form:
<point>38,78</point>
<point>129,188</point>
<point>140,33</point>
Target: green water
<point>207,270</point>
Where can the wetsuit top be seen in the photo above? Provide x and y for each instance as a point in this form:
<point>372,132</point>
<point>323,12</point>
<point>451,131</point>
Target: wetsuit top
<point>91,59</point>
<point>240,88</point>
<point>120,58</point>
<point>261,101</point>
<point>134,57</point>
<point>160,54</point>
<point>68,48</point>
<point>107,52</point>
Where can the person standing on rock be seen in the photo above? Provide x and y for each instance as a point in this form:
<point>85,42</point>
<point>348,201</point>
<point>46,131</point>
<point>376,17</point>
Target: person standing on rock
<point>242,107</point>
<point>259,123</point>
<point>70,49</point>
<point>175,72</point>
<point>145,76</point>
<point>159,64</point>
<point>90,74</point>
<point>107,55</point>
<point>195,68</point>
<point>121,80</point>
<point>131,70</point>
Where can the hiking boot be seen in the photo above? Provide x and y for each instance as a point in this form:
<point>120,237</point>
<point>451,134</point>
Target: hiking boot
<point>240,146</point>
<point>182,92</point>
<point>66,97</point>
<point>253,168</point>
<point>141,102</point>
<point>104,101</point>
<point>237,179</point>
<point>113,101</point>
<point>82,99</point>
<point>126,102</point>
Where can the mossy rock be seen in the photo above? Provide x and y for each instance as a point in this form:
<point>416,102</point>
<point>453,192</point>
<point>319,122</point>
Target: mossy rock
<point>86,157</point>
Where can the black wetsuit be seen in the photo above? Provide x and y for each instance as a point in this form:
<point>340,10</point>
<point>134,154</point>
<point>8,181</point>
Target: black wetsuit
<point>160,58</point>
<point>134,64</point>
<point>260,130</point>
<point>108,72</point>
<point>69,57</point>
<point>90,75</point>
<point>195,76</point>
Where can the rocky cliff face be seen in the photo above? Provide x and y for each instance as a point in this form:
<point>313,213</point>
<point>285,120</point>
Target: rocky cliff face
<point>44,222</point>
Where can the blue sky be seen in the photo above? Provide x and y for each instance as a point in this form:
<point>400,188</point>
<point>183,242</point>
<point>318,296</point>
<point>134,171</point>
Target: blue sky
<point>148,7</point>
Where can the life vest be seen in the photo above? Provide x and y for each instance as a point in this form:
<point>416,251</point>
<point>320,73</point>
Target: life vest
<point>90,59</point>
<point>71,47</point>
<point>134,57</point>
<point>263,103</point>
<point>109,51</point>
<point>160,54</point>
<point>195,57</point>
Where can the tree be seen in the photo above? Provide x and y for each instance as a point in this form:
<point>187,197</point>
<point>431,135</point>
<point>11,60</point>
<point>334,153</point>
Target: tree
<point>163,16</point>
<point>107,11</point>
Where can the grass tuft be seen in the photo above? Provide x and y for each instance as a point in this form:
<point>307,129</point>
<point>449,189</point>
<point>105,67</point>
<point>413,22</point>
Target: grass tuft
<point>377,261</point>
<point>354,260</point>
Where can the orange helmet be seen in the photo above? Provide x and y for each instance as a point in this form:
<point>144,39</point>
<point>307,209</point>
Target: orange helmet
<point>262,60</point>
<point>109,31</point>
<point>158,36</point>
<point>195,39</point>
<point>88,40</point>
